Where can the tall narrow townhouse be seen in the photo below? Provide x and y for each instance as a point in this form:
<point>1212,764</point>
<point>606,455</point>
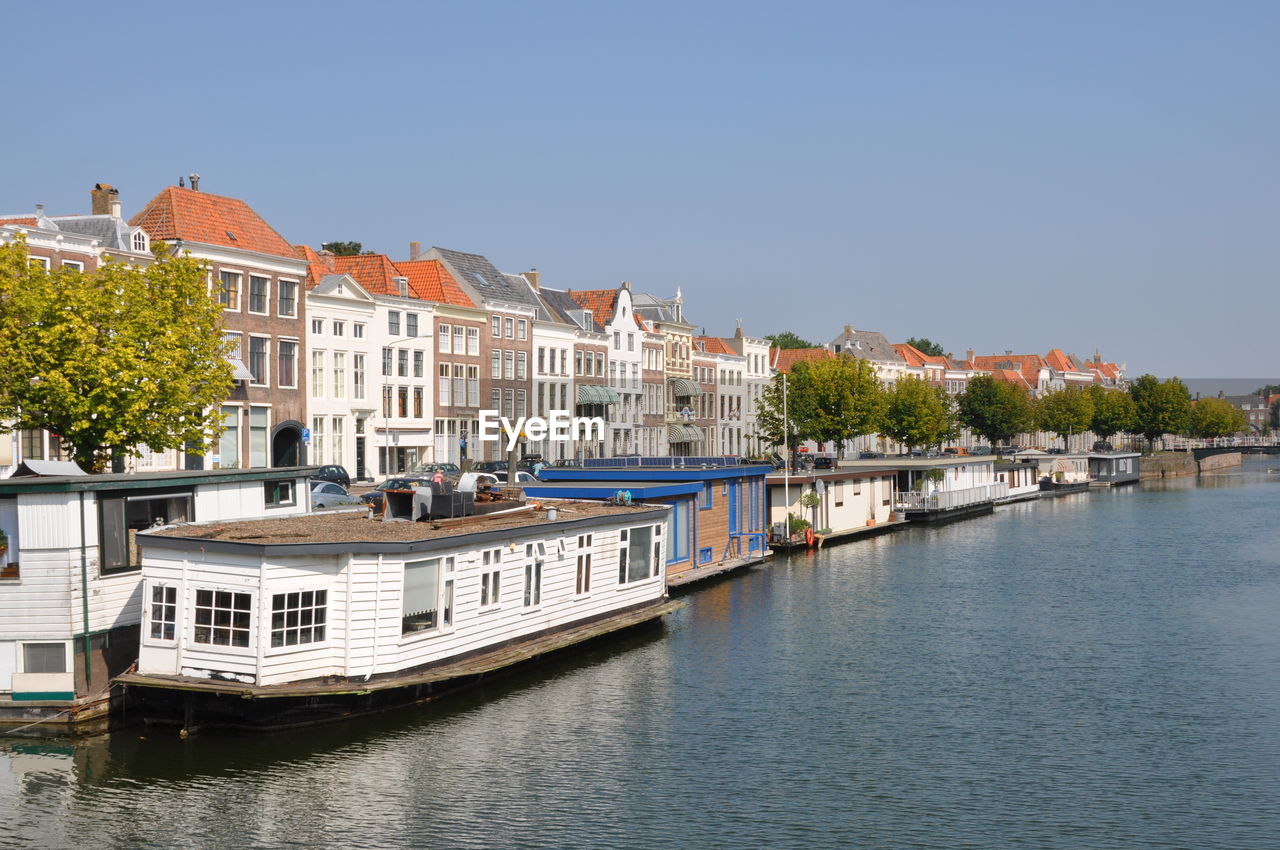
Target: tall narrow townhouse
<point>460,326</point>
<point>591,397</point>
<point>398,345</point>
<point>730,394</point>
<point>614,313</point>
<point>553,389</point>
<point>258,278</point>
<point>666,316</point>
<point>706,377</point>
<point>506,348</point>
<point>653,392</point>
<point>81,243</point>
<point>756,376</point>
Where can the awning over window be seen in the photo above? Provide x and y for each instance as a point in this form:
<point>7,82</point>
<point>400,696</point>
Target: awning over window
<point>239,371</point>
<point>683,434</point>
<point>594,394</point>
<point>684,386</point>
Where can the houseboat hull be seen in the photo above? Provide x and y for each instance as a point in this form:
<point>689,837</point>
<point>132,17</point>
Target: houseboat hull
<point>194,703</point>
<point>944,515</point>
<point>1063,488</point>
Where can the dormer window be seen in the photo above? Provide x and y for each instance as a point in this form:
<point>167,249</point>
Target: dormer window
<point>140,242</point>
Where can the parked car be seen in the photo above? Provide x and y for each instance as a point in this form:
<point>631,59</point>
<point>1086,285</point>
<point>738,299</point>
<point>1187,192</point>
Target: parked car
<point>429,469</point>
<point>870,455</point>
<point>1103,446</point>
<point>824,463</point>
<point>1006,450</point>
<point>957,451</point>
<point>326,494</point>
<point>980,450</point>
<point>1055,451</point>
<point>333,472</point>
<point>374,497</point>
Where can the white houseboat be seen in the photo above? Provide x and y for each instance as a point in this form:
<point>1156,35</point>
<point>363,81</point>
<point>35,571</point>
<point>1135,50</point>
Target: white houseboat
<point>71,577</point>
<point>281,623</point>
<point>838,504</point>
<point>941,489</point>
<point>1022,477</point>
<point>1111,469</point>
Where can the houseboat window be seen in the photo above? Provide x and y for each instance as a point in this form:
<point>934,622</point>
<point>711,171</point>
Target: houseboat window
<point>678,525</point>
<point>298,617</point>
<point>421,597</point>
<point>489,587</point>
<point>704,499</point>
<point>278,493</point>
<point>121,518</point>
<point>164,612</point>
<point>584,564</point>
<point>44,658</point>
<point>633,554</point>
<point>223,617</point>
<point>532,576</point>
<point>838,493</point>
<point>446,613</point>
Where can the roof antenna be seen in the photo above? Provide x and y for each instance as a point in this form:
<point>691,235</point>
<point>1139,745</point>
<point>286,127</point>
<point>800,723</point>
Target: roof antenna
<point>195,182</point>
<point>182,184</point>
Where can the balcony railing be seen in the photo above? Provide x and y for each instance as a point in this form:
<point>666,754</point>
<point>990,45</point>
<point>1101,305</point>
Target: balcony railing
<point>664,462</point>
<point>907,500</point>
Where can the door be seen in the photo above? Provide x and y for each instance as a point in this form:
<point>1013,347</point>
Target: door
<point>733,507</point>
<point>360,472</point>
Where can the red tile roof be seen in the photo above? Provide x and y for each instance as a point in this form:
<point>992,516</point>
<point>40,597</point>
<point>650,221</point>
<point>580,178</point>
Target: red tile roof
<point>375,272</point>
<point>28,221</point>
<point>192,216</point>
<point>714,345</point>
<point>785,359</point>
<point>431,281</point>
<point>916,357</point>
<point>1028,364</point>
<point>601,302</point>
<point>318,265</point>
<point>1009,376</point>
<point>1061,361</point>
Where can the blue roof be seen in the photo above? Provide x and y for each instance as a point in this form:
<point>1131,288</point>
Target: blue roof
<point>635,474</point>
<point>606,489</point>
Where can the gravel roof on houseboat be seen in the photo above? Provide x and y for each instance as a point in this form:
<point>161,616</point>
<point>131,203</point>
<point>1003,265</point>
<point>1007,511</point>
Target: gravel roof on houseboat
<point>356,527</point>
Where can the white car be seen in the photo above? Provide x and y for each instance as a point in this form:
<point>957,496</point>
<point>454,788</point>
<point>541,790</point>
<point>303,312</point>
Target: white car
<point>326,494</point>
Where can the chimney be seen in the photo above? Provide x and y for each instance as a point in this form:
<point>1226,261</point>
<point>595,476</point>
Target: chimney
<point>626,284</point>
<point>848,330</point>
<point>968,355</point>
<point>104,200</point>
<point>415,250</point>
<point>195,181</point>
<point>1008,352</point>
<point>535,279</point>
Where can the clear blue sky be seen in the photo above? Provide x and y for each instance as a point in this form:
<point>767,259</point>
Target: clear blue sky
<point>1083,175</point>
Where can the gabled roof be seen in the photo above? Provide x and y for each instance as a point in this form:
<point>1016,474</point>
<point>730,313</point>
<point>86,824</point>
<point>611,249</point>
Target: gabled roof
<point>178,213</point>
<point>482,281</point>
<point>785,359</point>
<point>601,302</point>
<point>714,345</point>
<point>1011,376</point>
<point>319,265</point>
<point>375,272</point>
<point>1029,365</point>
<point>916,357</point>
<point>562,305</point>
<point>431,281</point>
<point>1062,362</point>
<point>866,345</point>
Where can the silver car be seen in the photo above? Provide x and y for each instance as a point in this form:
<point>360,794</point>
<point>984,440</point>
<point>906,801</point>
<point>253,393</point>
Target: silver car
<point>326,494</point>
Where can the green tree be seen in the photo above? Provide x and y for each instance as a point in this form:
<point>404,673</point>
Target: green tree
<point>997,410</point>
<point>1160,407</point>
<point>787,339</point>
<point>1065,413</point>
<point>1216,417</point>
<point>1113,412</point>
<point>114,359</point>
<point>918,413</point>
<point>847,399</point>
<point>926,346</point>
<point>344,249</point>
<point>1269,389</point>
<point>785,408</point>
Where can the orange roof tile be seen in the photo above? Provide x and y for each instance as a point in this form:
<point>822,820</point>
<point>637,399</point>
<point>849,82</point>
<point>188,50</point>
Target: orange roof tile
<point>1010,376</point>
<point>1061,361</point>
<point>1028,364</point>
<point>785,359</point>
<point>178,213</point>
<point>431,281</point>
<point>714,345</point>
<point>916,357</point>
<point>375,272</point>
<point>28,221</point>
<point>318,265</point>
<point>601,302</point>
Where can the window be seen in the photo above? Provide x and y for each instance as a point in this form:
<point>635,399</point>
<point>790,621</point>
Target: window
<point>339,374</point>
<point>534,556</point>
<point>259,419</point>
<point>584,564</point>
<point>442,391</point>
<point>637,554</point>
<point>704,498</point>
<point>678,538</point>
<point>509,365</point>
<point>233,343</point>
<point>139,241</point>
<point>510,403</point>
<point>163,612</point>
<point>44,658</point>
<point>421,598</point>
<point>457,339</point>
<point>357,375</point>
<point>542,361</point>
<point>298,617</point>
<point>317,374</point>
<point>288,363</point>
<point>473,386</point>
<point>288,301</point>
<point>278,494</point>
<point>223,617</point>
<point>631,342</point>
<point>617,340</point>
<point>73,264</point>
<point>600,363</point>
<point>511,328</point>
<point>577,362</point>
<point>837,494</point>
<point>258,287</point>
<point>522,365</point>
<point>387,393</point>
<point>419,363</point>
<point>339,328</point>
<point>339,438</point>
<point>446,341</point>
<point>410,324</point>
<point>402,405</point>
<point>386,362</point>
<point>473,342</point>
<point>495,364</point>
<point>393,322</point>
<point>522,331</point>
<point>459,384</point>
<point>229,442</point>
<point>521,403</point>
<point>402,363</point>
<point>229,290</point>
<point>491,577</point>
<point>417,402</point>
<point>497,326</point>
<point>357,330</point>
<point>317,327</point>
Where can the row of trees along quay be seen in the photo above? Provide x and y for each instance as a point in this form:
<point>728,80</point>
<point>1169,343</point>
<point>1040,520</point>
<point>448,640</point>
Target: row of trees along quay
<point>113,359</point>
<point>839,399</point>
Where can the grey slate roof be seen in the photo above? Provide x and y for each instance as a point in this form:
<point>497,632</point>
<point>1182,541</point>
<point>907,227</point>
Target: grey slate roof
<point>563,307</point>
<point>110,232</point>
<point>656,309</point>
<point>866,345</point>
<point>483,282</point>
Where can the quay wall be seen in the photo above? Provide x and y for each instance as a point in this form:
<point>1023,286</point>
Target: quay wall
<point>1226,460</point>
<point>1167,465</point>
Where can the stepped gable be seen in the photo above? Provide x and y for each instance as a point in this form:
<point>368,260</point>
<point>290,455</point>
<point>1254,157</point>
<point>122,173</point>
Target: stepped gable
<point>178,213</point>
<point>431,281</point>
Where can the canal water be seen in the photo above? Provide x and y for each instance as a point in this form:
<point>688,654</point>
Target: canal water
<point>1100,670</point>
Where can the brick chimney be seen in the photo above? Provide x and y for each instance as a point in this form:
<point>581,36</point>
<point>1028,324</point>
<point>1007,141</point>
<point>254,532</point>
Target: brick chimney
<point>535,279</point>
<point>105,200</point>
<point>415,250</point>
<point>968,355</point>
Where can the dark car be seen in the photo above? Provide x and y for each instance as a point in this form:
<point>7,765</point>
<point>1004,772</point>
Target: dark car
<point>429,469</point>
<point>870,455</point>
<point>374,497</point>
<point>336,474</point>
<point>980,450</point>
<point>824,463</point>
<point>1103,446</point>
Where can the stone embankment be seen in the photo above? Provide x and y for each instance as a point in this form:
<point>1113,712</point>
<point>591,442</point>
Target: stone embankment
<point>1175,464</point>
